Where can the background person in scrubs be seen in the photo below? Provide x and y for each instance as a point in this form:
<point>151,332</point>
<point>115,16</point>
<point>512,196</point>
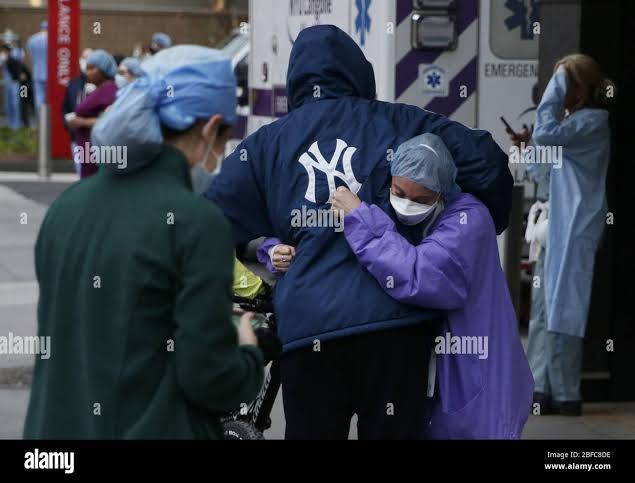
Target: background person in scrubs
<point>100,71</point>
<point>128,71</point>
<point>75,93</point>
<point>37,46</point>
<point>159,42</point>
<point>572,115</point>
<point>11,65</point>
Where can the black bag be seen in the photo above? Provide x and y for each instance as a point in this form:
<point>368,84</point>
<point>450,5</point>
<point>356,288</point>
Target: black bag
<point>15,68</point>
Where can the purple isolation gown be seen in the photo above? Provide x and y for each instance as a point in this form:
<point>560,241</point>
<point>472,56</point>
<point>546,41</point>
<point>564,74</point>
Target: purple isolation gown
<point>456,268</point>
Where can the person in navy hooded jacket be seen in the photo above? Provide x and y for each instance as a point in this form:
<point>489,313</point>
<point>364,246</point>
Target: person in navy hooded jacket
<point>349,348</point>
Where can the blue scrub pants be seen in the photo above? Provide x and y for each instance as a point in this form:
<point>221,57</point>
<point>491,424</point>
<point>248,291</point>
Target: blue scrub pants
<point>39,89</point>
<point>555,359</point>
<point>12,104</point>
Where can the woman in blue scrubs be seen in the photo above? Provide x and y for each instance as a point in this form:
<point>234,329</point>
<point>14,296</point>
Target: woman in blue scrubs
<point>573,122</point>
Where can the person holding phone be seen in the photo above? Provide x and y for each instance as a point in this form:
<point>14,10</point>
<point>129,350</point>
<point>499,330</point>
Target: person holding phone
<point>518,139</point>
<point>571,117</point>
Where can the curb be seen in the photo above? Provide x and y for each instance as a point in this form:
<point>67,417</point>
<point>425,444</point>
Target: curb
<point>31,166</point>
<point>16,377</point>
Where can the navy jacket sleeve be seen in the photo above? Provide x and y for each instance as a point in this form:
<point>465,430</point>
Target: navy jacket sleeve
<point>483,167</point>
<point>488,178</point>
<point>245,208</point>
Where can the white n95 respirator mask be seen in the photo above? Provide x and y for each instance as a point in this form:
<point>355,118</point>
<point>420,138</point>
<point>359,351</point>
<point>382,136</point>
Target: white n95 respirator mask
<point>409,212</point>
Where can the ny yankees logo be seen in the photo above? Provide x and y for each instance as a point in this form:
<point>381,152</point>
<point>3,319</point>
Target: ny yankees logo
<point>317,161</point>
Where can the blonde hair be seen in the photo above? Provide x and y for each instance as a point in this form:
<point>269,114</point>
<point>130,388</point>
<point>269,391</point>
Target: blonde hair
<point>586,71</point>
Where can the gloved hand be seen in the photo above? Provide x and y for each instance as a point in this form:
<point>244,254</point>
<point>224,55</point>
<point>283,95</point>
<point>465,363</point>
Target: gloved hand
<point>537,229</point>
<point>541,231</point>
<point>538,212</point>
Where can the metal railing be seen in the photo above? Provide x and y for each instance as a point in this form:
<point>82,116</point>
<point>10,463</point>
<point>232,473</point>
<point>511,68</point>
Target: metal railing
<point>44,142</point>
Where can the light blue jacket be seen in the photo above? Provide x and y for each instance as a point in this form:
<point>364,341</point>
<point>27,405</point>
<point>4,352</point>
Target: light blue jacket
<point>577,204</point>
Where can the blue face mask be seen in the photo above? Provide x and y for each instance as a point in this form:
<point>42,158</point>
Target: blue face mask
<point>121,81</point>
<point>201,177</point>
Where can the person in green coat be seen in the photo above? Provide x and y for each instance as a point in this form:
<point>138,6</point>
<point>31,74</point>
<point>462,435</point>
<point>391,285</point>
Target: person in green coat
<point>136,274</point>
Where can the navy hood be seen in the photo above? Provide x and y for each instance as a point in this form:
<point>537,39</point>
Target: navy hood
<point>327,57</point>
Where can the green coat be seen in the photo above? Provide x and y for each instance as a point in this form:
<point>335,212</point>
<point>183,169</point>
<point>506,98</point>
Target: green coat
<point>135,277</point>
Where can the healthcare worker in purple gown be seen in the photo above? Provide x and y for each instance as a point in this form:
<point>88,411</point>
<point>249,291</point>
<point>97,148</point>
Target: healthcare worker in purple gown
<point>483,382</point>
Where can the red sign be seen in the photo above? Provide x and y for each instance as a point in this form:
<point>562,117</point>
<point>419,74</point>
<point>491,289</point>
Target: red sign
<point>63,65</point>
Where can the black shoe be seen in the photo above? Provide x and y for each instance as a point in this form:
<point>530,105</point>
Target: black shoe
<point>541,405</point>
<point>568,408</point>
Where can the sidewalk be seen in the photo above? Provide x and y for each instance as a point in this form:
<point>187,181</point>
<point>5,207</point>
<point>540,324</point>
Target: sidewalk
<point>20,220</point>
<point>599,421</point>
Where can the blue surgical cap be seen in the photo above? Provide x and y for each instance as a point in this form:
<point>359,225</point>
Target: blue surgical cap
<point>162,40</point>
<point>134,66</point>
<point>44,25</point>
<point>103,61</point>
<point>199,83</point>
<point>183,85</point>
<point>426,160</point>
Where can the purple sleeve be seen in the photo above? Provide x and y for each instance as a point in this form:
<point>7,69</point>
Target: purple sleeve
<point>429,275</point>
<point>263,253</point>
<point>98,101</point>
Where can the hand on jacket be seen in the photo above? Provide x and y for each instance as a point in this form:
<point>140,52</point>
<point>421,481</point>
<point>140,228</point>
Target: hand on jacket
<point>345,200</point>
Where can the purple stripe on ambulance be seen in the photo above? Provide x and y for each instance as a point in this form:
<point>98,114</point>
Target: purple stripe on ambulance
<point>404,9</point>
<point>408,66</point>
<point>239,129</point>
<point>261,102</point>
<point>270,103</point>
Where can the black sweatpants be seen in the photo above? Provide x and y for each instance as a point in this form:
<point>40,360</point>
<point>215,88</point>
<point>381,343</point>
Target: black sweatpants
<point>380,376</point>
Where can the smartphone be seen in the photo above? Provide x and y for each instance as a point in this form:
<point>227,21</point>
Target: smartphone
<point>510,131</point>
